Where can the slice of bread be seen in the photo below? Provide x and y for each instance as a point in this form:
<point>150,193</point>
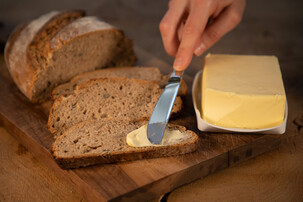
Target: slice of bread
<point>105,99</point>
<point>55,47</point>
<point>39,47</point>
<point>97,142</point>
<point>144,73</point>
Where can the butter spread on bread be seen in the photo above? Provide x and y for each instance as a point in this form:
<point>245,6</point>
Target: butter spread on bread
<point>138,137</point>
<point>98,142</point>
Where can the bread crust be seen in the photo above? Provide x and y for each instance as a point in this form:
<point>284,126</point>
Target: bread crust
<point>69,87</point>
<point>35,42</point>
<point>95,72</point>
<point>69,15</point>
<point>17,54</point>
<point>86,84</point>
<point>134,153</point>
<point>90,25</point>
<point>49,26</point>
<point>11,40</point>
<point>178,105</point>
<point>85,25</point>
<point>21,72</point>
<point>83,86</point>
<point>41,42</point>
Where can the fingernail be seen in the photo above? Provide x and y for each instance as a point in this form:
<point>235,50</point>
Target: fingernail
<point>178,63</point>
<point>200,50</point>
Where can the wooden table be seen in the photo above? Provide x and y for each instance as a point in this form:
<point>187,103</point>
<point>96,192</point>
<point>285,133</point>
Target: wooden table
<point>271,27</point>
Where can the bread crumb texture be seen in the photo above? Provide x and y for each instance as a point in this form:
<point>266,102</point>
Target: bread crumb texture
<point>94,142</point>
<point>104,99</point>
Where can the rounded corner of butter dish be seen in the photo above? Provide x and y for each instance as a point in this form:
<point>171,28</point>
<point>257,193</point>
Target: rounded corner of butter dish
<point>207,127</point>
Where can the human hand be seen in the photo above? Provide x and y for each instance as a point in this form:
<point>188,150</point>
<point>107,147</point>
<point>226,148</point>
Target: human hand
<point>192,26</point>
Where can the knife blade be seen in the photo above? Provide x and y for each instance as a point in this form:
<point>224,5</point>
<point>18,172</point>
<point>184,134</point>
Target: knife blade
<point>160,116</point>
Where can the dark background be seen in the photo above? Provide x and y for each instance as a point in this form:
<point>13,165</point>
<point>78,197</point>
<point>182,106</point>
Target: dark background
<point>271,27</point>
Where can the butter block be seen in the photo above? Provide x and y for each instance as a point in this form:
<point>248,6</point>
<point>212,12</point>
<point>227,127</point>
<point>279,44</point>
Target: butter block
<point>242,91</point>
<point>138,137</point>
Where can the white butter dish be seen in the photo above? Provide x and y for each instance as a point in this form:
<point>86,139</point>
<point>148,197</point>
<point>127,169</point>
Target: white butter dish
<point>205,126</point>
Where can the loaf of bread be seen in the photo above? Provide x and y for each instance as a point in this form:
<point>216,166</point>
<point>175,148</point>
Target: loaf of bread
<point>106,99</point>
<point>96,142</point>
<point>146,73</point>
<point>55,47</point>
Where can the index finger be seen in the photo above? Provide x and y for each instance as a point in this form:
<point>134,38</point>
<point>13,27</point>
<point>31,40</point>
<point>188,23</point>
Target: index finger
<point>192,31</point>
<point>169,25</point>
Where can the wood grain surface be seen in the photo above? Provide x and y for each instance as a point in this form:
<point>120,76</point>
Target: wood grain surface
<point>19,169</point>
<point>133,180</point>
<point>268,27</point>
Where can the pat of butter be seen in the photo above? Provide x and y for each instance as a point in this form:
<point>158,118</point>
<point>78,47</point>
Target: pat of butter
<point>242,91</point>
<point>138,137</point>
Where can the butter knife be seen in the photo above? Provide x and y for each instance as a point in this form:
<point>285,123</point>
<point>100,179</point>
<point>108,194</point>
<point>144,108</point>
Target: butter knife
<point>160,116</point>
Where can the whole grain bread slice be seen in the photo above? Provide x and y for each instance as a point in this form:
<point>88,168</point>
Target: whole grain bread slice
<point>105,99</point>
<point>97,142</point>
<point>144,73</point>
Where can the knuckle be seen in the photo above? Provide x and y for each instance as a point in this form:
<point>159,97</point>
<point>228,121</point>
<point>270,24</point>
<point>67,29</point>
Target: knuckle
<point>171,3</point>
<point>205,3</point>
<point>235,17</point>
<point>165,27</point>
<point>190,30</point>
<point>213,35</point>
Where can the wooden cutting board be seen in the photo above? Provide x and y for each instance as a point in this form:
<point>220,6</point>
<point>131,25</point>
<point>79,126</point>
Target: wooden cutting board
<point>136,180</point>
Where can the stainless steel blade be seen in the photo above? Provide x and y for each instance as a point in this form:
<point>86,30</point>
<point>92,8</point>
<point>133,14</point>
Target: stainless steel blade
<point>160,116</point>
